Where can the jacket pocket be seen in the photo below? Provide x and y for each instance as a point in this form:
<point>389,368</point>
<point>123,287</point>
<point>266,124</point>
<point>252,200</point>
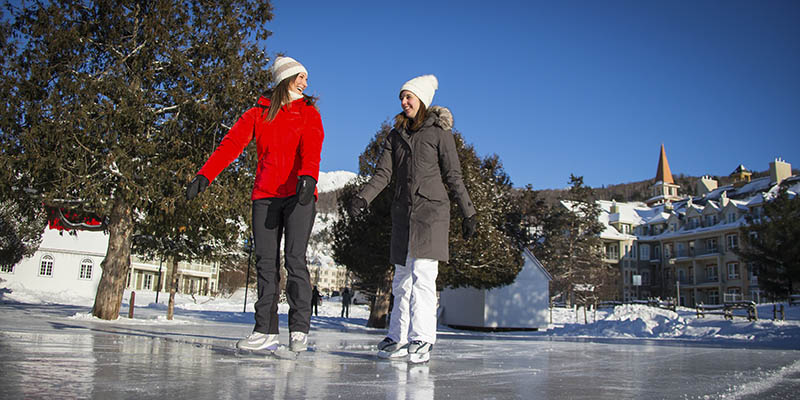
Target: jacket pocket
<point>433,190</point>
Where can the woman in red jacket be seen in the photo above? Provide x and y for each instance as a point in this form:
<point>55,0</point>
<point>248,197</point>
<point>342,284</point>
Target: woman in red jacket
<point>288,131</point>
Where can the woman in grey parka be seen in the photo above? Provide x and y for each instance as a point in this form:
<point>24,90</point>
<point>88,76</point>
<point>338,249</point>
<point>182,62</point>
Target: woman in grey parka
<point>420,153</point>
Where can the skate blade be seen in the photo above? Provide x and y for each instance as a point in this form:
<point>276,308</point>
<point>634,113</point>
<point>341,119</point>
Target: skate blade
<point>390,355</point>
<point>284,353</point>
<point>419,358</point>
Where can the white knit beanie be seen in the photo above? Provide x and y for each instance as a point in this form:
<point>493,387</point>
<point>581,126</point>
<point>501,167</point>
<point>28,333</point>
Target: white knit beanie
<point>423,87</point>
<point>285,67</point>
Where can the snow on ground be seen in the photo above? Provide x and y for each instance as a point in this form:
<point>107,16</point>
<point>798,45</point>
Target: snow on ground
<point>630,321</point>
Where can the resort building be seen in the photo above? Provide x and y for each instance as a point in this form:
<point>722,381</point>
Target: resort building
<point>683,246</point>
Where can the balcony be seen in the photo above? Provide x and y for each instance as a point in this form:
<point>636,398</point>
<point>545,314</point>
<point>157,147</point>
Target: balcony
<point>712,252</point>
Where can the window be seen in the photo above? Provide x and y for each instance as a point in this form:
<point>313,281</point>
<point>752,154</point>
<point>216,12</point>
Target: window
<point>711,245</point>
<point>682,275</point>
<point>667,251</point>
<point>731,217</point>
<point>694,223</point>
<point>86,269</point>
<point>612,252</point>
<point>711,220</point>
<point>657,251</point>
<point>148,281</point>
<point>645,278</point>
<point>713,297</point>
<point>733,271</point>
<point>733,241</point>
<point>711,272</point>
<point>46,267</point>
<point>9,269</point>
<point>644,252</point>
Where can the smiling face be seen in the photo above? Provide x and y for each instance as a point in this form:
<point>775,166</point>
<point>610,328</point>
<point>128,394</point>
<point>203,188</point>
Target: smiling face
<point>299,83</point>
<point>410,103</point>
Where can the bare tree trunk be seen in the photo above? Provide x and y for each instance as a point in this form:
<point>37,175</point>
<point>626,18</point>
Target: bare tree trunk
<point>379,308</point>
<point>117,262</point>
<point>173,286</point>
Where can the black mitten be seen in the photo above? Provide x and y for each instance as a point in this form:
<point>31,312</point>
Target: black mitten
<point>305,189</point>
<point>196,186</point>
<point>469,226</point>
<point>356,207</point>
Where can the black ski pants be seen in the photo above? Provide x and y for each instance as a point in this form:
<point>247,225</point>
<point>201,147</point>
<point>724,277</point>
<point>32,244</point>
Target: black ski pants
<point>272,218</point>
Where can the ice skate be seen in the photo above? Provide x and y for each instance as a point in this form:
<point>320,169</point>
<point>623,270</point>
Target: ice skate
<point>419,351</point>
<point>258,341</point>
<point>298,341</point>
<point>390,349</point>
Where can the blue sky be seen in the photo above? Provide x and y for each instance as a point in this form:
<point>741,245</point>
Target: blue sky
<point>590,88</point>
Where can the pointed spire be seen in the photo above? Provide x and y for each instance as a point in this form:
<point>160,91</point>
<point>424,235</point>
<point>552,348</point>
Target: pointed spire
<point>663,173</point>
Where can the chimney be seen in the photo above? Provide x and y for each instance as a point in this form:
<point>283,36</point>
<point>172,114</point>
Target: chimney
<point>779,170</point>
<point>706,185</point>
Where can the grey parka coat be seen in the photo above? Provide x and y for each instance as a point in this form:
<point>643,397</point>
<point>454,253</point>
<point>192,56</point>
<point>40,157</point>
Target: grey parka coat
<point>421,163</point>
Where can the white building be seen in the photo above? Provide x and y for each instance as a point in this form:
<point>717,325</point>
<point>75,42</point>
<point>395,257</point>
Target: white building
<point>523,304</point>
<point>70,262</point>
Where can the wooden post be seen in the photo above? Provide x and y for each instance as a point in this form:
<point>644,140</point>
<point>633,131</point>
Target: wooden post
<point>585,321</point>
<point>130,307</point>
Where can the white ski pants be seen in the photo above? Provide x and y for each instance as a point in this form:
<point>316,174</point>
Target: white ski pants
<point>414,309</point>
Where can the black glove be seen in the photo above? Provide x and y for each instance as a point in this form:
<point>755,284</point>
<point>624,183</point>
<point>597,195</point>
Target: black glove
<point>305,189</point>
<point>356,207</point>
<point>469,227</point>
<point>196,186</point>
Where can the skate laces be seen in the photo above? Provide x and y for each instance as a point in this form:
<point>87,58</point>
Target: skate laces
<point>298,336</point>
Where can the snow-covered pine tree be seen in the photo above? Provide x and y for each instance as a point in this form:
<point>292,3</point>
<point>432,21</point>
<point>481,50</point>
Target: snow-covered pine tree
<point>494,256</point>
<point>113,107</point>
<point>570,244</point>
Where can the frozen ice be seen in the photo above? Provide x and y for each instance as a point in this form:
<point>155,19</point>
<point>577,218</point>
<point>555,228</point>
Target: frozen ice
<point>56,349</point>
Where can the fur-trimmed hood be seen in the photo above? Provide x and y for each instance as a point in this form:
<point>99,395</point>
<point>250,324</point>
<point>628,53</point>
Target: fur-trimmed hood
<point>443,117</point>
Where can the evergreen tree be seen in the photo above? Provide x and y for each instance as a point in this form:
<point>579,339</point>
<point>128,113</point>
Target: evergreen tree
<point>769,243</point>
<point>20,234</point>
<point>568,243</point>
<point>111,107</point>
<point>491,259</point>
<point>362,244</point>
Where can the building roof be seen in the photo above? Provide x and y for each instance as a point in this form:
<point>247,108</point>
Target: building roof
<point>663,174</point>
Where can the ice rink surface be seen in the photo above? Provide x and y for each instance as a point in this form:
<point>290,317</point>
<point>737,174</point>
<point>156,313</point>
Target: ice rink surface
<point>48,352</point>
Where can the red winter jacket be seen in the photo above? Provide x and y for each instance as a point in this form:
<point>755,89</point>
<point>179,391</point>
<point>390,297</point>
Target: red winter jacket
<point>288,146</point>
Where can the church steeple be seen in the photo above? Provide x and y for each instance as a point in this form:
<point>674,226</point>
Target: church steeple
<point>664,190</point>
<point>663,174</point>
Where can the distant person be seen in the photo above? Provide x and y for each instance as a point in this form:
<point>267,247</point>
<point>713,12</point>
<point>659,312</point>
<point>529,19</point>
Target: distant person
<point>420,155</point>
<point>346,299</point>
<point>288,132</point>
<point>316,299</point>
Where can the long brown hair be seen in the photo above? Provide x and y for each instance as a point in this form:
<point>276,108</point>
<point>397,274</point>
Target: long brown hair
<point>280,97</point>
<point>411,124</point>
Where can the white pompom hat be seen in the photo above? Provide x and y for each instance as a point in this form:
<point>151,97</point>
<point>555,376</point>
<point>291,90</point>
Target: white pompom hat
<point>423,87</point>
<point>285,67</point>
